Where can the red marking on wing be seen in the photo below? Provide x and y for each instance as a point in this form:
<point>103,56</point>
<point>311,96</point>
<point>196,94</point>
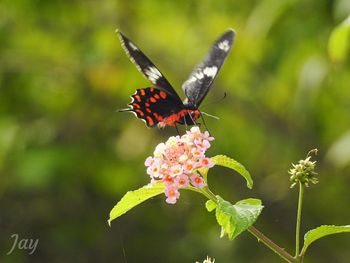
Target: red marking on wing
<point>158,117</point>
<point>151,105</point>
<point>150,121</point>
<point>163,94</point>
<point>136,105</point>
<point>139,112</point>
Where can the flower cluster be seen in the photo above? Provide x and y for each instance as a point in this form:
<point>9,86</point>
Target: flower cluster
<point>176,162</point>
<point>303,172</point>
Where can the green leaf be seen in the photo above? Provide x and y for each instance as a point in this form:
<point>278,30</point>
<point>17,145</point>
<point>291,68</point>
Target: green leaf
<point>228,162</point>
<point>133,198</point>
<point>322,231</point>
<point>234,219</point>
<point>338,43</point>
<point>210,205</point>
<point>249,201</point>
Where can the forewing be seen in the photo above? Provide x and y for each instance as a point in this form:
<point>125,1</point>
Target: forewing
<point>153,105</point>
<point>200,80</point>
<point>146,67</point>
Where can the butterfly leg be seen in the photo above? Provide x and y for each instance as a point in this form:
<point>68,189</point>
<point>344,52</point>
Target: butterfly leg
<point>193,121</point>
<point>204,123</point>
<point>184,117</point>
<point>177,130</point>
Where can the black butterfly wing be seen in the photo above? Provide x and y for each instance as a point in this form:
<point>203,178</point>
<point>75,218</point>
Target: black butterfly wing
<point>200,80</point>
<point>146,67</point>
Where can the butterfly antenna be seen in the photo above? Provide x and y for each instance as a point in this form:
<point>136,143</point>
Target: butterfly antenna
<point>216,101</point>
<point>209,115</point>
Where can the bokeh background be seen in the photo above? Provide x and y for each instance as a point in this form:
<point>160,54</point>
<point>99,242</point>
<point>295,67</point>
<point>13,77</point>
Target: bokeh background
<point>67,156</point>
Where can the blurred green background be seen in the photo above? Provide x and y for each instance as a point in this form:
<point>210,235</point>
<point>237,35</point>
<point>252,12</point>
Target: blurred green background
<point>67,156</point>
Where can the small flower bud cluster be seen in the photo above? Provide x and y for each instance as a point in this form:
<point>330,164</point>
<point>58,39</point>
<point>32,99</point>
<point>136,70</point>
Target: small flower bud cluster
<point>176,162</point>
<point>208,260</point>
<point>303,172</point>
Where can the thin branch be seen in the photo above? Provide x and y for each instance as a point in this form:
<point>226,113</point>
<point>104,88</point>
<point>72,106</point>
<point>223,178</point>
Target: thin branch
<point>272,245</point>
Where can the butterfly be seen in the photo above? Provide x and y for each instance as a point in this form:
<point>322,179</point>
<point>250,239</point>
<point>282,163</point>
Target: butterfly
<point>160,104</point>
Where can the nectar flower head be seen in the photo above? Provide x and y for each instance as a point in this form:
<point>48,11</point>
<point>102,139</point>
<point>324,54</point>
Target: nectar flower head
<point>176,162</point>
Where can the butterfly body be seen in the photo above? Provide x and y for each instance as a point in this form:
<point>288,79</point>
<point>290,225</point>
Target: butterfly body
<point>160,105</point>
<point>184,116</point>
<point>156,108</point>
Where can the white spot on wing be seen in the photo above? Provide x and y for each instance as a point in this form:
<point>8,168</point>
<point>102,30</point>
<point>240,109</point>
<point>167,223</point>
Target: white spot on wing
<point>195,77</point>
<point>127,51</point>
<point>199,75</point>
<point>153,74</point>
<point>224,45</point>
<point>133,46</point>
<point>192,79</point>
<point>210,71</point>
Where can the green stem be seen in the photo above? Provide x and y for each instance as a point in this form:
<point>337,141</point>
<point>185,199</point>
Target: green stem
<point>297,230</point>
<point>211,195</point>
<point>255,232</point>
<point>270,244</point>
<point>204,191</point>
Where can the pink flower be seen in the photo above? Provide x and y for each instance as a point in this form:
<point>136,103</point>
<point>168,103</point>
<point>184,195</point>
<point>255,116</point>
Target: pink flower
<point>205,162</point>
<point>202,144</point>
<point>176,170</point>
<point>197,152</point>
<point>197,181</point>
<point>172,195</point>
<point>154,169</point>
<point>159,151</point>
<point>176,162</point>
<point>182,181</point>
<point>207,136</point>
<point>149,161</point>
<point>195,132</point>
<point>183,158</point>
<point>168,179</point>
<point>189,166</point>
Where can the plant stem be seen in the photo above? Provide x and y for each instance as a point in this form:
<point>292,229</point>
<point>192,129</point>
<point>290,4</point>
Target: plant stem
<point>212,196</point>
<point>270,244</point>
<point>297,230</point>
